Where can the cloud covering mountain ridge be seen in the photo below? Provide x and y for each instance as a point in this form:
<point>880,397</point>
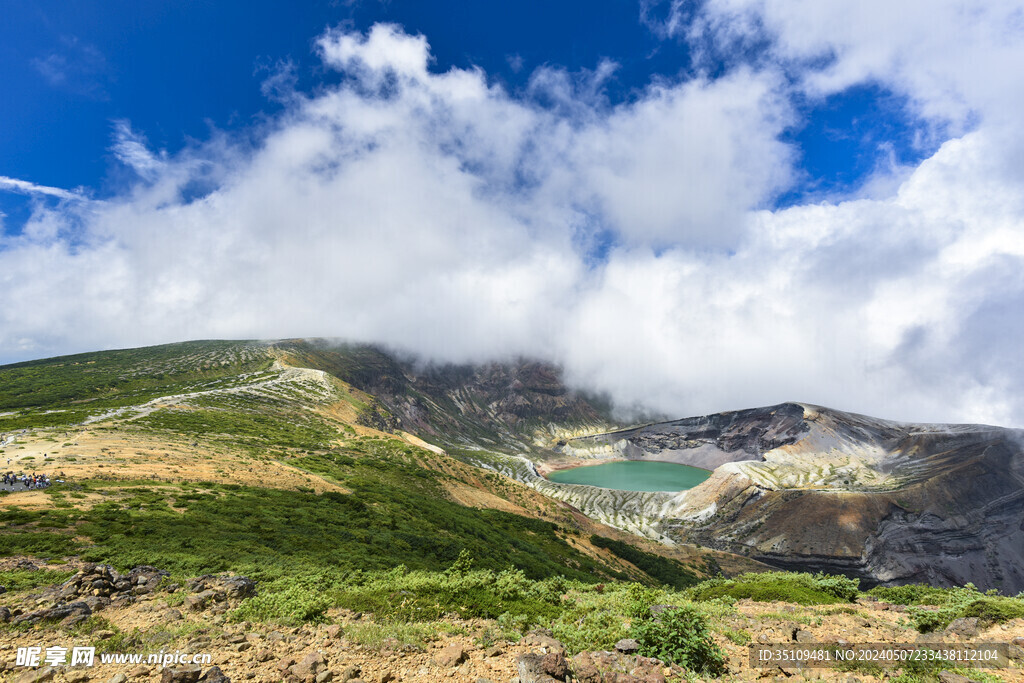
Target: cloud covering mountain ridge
<point>637,244</point>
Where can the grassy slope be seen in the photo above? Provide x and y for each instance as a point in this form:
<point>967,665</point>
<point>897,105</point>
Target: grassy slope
<point>366,517</point>
<point>65,390</point>
<point>381,501</point>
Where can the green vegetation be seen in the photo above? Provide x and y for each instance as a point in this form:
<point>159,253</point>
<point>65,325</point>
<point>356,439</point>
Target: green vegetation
<point>660,569</point>
<point>680,636</point>
<point>269,533</point>
<point>948,604</point>
<point>417,635</point>
<point>65,390</point>
<point>253,430</point>
<point>21,579</point>
<point>802,589</point>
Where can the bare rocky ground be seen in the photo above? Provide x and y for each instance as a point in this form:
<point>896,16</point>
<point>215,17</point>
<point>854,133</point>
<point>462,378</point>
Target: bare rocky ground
<point>142,612</point>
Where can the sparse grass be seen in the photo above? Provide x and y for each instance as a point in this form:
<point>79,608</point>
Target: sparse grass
<point>403,634</point>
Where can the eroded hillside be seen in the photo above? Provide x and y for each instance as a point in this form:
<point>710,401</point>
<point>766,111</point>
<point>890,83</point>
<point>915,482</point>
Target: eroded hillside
<point>804,486</point>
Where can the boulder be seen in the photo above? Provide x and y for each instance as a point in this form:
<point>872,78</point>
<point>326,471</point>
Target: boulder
<point>555,665</point>
<point>36,675</point>
<point>453,655</point>
<point>950,677</point>
<point>544,641</point>
<point>310,665</point>
<point>184,674</point>
<point>627,646</point>
<point>351,673</point>
<point>214,675</point>
<point>965,627</point>
<point>531,669</point>
<point>238,587</point>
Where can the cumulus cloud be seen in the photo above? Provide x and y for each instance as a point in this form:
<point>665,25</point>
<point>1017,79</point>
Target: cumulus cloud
<point>951,57</point>
<point>633,243</point>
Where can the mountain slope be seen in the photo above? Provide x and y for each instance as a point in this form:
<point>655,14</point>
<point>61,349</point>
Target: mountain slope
<point>807,487</point>
<point>279,466</point>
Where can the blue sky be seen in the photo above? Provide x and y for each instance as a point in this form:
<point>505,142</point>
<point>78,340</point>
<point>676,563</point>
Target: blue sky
<point>692,204</point>
<point>176,70</point>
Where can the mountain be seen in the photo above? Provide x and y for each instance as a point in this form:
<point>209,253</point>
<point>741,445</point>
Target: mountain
<point>273,458</point>
<point>801,486</point>
<point>306,509</point>
<point>793,486</point>
<point>513,407</point>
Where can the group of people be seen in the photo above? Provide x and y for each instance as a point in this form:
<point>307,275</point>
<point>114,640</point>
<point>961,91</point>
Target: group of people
<point>29,481</point>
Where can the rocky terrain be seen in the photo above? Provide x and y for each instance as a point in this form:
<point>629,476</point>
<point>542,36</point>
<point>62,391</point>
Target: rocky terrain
<point>806,487</point>
<point>142,613</point>
<point>520,406</point>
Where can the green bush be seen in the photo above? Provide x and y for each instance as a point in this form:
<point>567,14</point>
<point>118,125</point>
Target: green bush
<point>293,604</point>
<point>428,596</point>
<point>953,603</point>
<point>680,636</point>
<point>802,589</point>
<point>911,594</point>
<point>19,579</point>
<point>994,610</point>
<point>639,599</point>
<point>928,620</point>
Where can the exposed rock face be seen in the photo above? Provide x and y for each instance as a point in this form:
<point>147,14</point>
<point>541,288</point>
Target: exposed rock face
<point>707,441</point>
<point>808,488</point>
<point>508,407</point>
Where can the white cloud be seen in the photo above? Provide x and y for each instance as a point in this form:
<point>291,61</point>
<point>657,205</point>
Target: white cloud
<point>439,213</point>
<point>131,150</point>
<point>955,59</point>
<point>30,188</point>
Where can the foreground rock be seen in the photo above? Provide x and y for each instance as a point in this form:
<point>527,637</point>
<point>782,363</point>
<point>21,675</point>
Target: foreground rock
<point>341,651</point>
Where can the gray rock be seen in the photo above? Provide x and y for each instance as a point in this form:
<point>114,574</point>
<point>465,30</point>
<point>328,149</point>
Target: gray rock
<point>37,675</point>
<point>214,675</point>
<point>350,673</point>
<point>544,641</point>
<point>950,677</point>
<point>185,674</point>
<point>802,636</point>
<point>627,646</point>
<point>118,678</point>
<point>239,587</point>
<point>965,627</point>
<point>531,669</point>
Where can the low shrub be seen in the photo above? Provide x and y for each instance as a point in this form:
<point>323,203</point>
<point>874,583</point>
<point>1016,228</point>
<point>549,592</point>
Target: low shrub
<point>292,605</point>
<point>911,594</point>
<point>680,636</point>
<point>20,579</point>
<point>802,589</point>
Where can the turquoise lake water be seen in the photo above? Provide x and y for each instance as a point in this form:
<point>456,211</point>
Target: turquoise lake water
<point>634,475</point>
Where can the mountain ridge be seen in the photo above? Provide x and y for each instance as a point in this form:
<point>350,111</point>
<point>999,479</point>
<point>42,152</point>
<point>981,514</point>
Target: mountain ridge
<point>793,485</point>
